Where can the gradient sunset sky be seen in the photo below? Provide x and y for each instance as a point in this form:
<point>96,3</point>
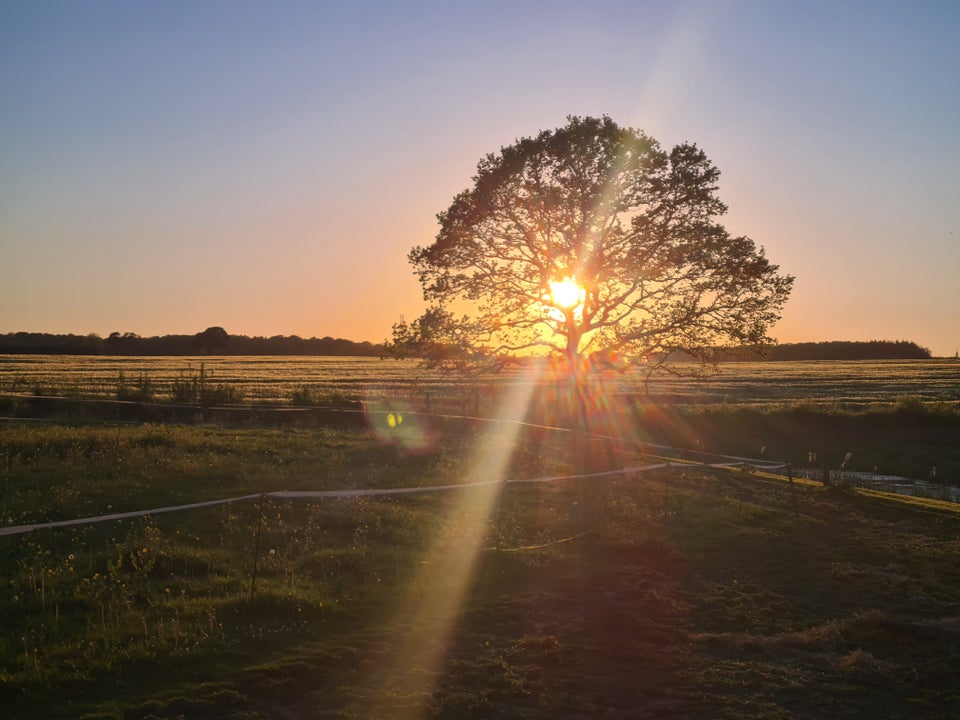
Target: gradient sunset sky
<point>265,167</point>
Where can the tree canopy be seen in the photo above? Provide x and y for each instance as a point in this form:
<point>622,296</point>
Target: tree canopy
<point>592,239</point>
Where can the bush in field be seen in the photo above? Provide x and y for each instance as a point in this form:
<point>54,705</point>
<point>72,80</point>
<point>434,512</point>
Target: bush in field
<point>140,390</point>
<point>307,395</point>
<point>198,390</point>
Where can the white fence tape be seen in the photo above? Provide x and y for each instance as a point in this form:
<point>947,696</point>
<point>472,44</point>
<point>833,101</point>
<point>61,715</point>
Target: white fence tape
<point>17,529</point>
<point>368,492</point>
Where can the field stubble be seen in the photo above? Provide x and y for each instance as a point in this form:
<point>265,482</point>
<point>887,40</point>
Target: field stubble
<point>883,418</point>
<point>278,380</point>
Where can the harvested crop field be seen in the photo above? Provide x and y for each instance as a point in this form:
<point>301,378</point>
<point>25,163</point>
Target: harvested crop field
<point>260,379</point>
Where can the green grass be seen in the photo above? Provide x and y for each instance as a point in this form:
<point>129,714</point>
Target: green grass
<point>669,594</point>
<point>919,441</point>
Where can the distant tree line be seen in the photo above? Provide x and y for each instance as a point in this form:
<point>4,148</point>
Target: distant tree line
<point>212,341</point>
<point>848,350</point>
<point>217,341</point>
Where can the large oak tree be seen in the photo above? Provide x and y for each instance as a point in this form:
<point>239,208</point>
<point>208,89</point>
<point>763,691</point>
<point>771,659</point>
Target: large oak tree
<point>634,226</point>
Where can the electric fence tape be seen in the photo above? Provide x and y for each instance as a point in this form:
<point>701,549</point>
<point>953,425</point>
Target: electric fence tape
<point>370,492</point>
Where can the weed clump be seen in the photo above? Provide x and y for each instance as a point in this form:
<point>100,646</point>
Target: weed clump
<point>199,390</point>
<point>140,390</point>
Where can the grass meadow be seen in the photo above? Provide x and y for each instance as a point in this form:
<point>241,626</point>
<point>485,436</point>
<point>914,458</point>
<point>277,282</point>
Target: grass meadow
<point>681,592</point>
<point>669,594</point>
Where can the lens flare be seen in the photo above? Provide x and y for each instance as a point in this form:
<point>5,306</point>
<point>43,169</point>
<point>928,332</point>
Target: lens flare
<point>394,423</point>
<point>432,605</point>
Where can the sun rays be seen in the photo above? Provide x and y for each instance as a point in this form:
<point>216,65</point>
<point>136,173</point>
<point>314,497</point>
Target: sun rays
<point>429,614</point>
<point>430,610</point>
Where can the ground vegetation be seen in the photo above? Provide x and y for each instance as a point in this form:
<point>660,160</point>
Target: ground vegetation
<point>676,594</point>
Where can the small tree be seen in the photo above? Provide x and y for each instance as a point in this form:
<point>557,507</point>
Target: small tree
<point>441,342</point>
<point>592,239</point>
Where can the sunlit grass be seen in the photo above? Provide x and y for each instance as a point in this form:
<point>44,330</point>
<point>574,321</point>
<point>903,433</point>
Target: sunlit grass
<point>85,600</point>
<point>435,596</point>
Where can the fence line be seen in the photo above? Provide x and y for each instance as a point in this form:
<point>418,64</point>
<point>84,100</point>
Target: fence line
<point>734,461</point>
<point>737,459</point>
<point>367,492</point>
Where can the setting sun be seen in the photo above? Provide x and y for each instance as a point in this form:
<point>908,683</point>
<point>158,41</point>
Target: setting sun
<point>566,293</point>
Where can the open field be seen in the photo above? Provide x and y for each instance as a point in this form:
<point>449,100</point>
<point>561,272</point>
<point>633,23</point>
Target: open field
<point>679,593</point>
<point>899,418</point>
<point>276,379</point>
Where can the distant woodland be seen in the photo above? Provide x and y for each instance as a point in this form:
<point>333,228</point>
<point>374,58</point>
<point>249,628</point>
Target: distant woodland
<point>217,341</point>
<point>212,341</point>
<point>844,350</point>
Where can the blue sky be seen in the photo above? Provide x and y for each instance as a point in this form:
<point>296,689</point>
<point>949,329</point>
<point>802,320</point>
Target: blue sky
<point>267,166</point>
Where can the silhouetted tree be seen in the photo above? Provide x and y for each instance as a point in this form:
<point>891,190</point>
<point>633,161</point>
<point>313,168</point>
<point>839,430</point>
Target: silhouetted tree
<point>630,228</point>
<point>439,340</point>
<point>212,341</point>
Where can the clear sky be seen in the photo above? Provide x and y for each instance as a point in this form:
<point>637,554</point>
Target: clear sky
<point>265,167</point>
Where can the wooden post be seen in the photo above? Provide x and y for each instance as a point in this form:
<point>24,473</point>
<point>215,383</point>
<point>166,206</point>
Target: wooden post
<point>793,491</point>
<point>256,548</point>
<point>500,515</point>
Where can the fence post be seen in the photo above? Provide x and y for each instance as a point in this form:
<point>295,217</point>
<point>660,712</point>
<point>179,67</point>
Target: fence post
<point>500,516</point>
<point>793,491</point>
<point>256,548</point>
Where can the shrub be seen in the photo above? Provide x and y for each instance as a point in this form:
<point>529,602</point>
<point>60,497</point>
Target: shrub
<point>141,390</point>
<point>198,390</point>
<point>315,395</point>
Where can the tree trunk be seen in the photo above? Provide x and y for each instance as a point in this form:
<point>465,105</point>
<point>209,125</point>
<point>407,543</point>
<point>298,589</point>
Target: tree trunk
<point>577,408</point>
